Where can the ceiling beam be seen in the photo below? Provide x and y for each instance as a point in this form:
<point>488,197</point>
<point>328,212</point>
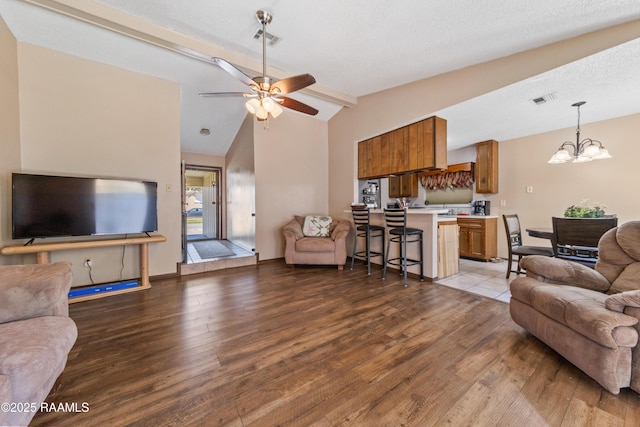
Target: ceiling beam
<point>137,28</point>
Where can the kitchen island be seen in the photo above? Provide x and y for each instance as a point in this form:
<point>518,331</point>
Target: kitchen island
<point>425,219</point>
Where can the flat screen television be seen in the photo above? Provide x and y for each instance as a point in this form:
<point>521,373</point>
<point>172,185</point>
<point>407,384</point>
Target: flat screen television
<point>57,206</point>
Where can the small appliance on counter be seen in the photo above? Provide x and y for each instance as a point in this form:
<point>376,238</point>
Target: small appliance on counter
<point>370,193</point>
<point>481,207</point>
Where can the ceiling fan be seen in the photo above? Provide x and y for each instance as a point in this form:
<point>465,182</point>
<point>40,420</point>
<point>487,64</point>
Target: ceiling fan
<point>266,93</point>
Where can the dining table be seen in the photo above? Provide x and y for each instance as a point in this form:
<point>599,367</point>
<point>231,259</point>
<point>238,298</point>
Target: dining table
<point>540,232</point>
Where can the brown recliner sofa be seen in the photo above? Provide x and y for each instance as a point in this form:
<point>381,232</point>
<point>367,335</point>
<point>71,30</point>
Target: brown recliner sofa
<point>590,317</point>
<point>36,335</point>
<point>301,249</point>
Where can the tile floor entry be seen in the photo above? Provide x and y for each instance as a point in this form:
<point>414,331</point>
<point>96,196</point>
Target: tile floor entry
<point>482,278</point>
<point>193,256</point>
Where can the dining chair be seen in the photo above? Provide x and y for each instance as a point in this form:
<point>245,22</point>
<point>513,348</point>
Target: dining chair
<point>515,246</point>
<point>576,239</point>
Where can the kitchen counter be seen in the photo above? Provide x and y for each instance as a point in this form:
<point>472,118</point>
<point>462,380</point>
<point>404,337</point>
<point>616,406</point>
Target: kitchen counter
<point>425,219</point>
<point>450,217</point>
<point>415,211</point>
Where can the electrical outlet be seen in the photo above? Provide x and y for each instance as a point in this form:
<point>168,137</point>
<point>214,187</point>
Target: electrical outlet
<point>87,262</point>
<point>503,203</point>
<point>530,189</point>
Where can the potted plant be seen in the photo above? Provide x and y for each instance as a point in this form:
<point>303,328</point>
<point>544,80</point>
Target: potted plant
<point>581,210</point>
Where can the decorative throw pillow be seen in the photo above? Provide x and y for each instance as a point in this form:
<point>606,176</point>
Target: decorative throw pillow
<point>316,226</point>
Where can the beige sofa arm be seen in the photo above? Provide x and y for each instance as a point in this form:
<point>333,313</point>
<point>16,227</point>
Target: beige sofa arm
<point>341,230</point>
<point>292,230</point>
<point>559,271</point>
<point>618,302</point>
<point>29,291</point>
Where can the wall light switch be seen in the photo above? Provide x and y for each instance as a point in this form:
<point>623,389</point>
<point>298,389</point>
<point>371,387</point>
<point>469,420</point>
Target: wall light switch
<point>169,188</point>
<point>503,203</point>
<point>529,189</point>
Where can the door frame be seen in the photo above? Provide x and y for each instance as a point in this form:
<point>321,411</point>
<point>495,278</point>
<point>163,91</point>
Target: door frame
<point>185,169</point>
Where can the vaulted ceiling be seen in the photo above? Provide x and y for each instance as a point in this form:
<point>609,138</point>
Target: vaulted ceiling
<point>353,48</point>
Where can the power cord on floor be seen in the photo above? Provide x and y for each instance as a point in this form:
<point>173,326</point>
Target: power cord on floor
<point>87,263</point>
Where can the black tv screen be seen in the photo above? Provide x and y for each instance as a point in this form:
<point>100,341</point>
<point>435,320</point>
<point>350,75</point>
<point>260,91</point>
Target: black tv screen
<point>55,206</point>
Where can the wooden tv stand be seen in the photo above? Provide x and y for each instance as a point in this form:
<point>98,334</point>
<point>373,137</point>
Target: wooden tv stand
<point>42,251</point>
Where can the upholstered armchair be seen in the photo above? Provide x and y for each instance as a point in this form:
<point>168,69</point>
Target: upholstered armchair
<point>322,244</point>
<point>36,334</point>
<point>590,317</point>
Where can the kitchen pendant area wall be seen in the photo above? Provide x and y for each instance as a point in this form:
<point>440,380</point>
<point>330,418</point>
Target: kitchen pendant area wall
<point>449,196</point>
<point>451,186</point>
<point>459,197</point>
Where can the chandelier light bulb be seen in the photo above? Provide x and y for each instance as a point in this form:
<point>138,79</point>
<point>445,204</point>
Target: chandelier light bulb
<point>582,159</point>
<point>591,150</point>
<point>602,154</point>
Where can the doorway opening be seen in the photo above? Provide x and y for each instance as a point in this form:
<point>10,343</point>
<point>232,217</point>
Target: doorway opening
<point>203,240</point>
<point>201,203</point>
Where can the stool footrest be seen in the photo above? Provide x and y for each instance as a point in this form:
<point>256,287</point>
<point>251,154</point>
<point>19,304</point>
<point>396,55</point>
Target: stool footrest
<point>398,262</point>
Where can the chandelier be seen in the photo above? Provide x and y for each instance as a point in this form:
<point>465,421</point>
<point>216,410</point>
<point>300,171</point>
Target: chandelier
<point>582,151</point>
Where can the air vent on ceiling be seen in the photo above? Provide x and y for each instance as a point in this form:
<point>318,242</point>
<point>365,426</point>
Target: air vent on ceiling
<point>544,98</point>
<point>271,39</point>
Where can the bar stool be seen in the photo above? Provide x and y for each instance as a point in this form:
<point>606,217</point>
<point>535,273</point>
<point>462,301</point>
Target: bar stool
<point>364,228</point>
<point>396,221</point>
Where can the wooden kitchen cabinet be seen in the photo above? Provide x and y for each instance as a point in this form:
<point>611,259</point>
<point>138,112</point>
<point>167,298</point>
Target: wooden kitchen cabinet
<point>428,144</point>
<point>487,167</point>
<point>416,147</point>
<point>403,186</point>
<point>373,157</point>
<point>363,160</point>
<point>399,150</point>
<point>478,238</point>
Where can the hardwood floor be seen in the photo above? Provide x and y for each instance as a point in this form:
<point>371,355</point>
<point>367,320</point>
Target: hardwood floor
<point>271,345</point>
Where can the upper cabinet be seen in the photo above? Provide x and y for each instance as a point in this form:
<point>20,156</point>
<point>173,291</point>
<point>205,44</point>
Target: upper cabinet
<point>403,186</point>
<point>487,167</point>
<point>416,147</point>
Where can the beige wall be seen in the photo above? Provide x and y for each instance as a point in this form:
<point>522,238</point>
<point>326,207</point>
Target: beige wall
<point>612,182</point>
<point>9,131</point>
<point>241,188</point>
<point>292,173</point>
<point>81,117</point>
<point>386,110</point>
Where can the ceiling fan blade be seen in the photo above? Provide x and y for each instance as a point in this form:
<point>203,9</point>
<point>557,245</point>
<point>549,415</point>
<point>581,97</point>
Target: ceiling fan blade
<point>231,69</point>
<point>210,94</point>
<point>298,106</point>
<point>292,84</point>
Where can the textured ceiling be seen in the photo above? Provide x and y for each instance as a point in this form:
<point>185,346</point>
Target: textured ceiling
<point>359,47</point>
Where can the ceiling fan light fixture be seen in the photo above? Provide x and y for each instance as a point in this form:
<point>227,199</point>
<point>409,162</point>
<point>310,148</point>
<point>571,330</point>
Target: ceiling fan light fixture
<point>277,110</point>
<point>266,93</point>
<point>252,105</point>
<point>268,104</point>
<point>261,113</point>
